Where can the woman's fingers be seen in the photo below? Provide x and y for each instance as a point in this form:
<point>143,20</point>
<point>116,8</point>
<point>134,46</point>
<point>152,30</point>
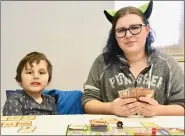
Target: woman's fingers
<point>148,100</point>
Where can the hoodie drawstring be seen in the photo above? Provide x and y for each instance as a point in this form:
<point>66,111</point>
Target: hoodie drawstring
<point>150,76</point>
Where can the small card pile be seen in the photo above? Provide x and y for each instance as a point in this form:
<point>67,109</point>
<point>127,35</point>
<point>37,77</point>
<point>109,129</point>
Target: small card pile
<point>136,93</point>
<point>98,125</point>
<point>77,127</point>
<point>110,120</point>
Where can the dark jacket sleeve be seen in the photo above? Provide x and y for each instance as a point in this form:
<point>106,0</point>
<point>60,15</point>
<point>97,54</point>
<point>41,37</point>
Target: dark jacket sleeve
<point>12,107</point>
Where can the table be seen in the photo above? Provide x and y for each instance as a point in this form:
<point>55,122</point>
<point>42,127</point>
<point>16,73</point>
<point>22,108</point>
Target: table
<point>57,124</point>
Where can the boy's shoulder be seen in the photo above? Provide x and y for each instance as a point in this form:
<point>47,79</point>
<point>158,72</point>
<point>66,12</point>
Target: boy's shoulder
<point>19,96</point>
<point>49,98</point>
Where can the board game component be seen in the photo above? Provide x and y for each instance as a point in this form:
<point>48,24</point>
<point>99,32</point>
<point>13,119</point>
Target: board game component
<point>98,125</point>
<point>120,125</point>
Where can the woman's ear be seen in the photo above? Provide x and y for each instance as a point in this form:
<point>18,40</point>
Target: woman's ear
<point>147,29</point>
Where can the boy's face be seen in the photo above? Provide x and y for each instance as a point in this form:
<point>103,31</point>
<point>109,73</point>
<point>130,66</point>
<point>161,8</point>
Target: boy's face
<point>35,79</point>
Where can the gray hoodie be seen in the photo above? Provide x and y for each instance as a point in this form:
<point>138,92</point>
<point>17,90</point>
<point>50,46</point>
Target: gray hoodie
<point>163,74</point>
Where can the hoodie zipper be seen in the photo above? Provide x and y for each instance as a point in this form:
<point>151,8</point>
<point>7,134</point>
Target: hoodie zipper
<point>135,80</point>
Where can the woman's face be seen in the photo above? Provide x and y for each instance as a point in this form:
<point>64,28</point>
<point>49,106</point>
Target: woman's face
<point>134,41</point>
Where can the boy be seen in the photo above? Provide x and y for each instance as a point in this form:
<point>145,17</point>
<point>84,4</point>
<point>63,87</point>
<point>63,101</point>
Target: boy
<point>33,74</point>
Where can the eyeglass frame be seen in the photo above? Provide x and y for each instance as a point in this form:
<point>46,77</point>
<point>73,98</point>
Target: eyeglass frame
<point>126,29</point>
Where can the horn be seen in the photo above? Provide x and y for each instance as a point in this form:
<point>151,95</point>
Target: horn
<point>108,16</point>
<point>148,11</point>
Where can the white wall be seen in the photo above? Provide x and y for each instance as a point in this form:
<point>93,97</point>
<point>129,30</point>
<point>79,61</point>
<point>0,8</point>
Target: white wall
<point>71,34</point>
<point>182,65</point>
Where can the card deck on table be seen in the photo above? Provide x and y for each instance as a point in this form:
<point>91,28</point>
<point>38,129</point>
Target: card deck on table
<point>98,122</point>
<point>110,120</point>
<point>9,124</point>
<point>77,127</point>
<point>99,128</point>
<point>98,125</point>
<point>26,129</point>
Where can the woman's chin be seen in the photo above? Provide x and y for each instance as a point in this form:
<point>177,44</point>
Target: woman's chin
<point>131,50</point>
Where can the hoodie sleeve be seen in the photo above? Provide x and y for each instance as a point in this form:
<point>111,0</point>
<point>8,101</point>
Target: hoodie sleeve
<point>12,106</point>
<point>92,84</point>
<point>176,83</point>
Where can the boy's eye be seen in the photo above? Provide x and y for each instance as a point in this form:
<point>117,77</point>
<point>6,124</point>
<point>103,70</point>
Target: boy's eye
<point>42,73</point>
<point>28,72</point>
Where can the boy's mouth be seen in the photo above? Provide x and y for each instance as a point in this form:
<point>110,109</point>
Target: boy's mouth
<point>35,83</point>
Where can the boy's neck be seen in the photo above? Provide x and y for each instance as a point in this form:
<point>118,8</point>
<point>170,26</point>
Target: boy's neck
<point>36,96</point>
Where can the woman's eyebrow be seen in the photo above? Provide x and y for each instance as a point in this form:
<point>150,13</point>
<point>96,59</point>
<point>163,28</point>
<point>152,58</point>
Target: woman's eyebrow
<point>121,28</point>
<point>127,27</point>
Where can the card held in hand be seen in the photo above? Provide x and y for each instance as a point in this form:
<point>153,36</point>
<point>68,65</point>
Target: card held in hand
<point>136,93</point>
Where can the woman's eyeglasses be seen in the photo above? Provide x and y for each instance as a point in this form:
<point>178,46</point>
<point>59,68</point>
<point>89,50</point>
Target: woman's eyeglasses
<point>134,30</point>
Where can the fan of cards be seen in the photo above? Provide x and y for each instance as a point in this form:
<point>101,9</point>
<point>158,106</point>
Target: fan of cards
<point>136,93</point>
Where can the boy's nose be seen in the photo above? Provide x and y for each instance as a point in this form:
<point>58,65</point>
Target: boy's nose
<point>36,76</point>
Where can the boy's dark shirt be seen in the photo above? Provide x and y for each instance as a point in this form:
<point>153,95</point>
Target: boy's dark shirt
<point>23,104</point>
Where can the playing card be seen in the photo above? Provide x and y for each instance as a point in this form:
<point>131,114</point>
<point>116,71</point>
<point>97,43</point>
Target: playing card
<point>28,117</point>
<point>77,127</point>
<point>133,92</point>
<point>124,93</point>
<point>9,124</point>
<point>141,92</point>
<point>4,118</point>
<point>26,129</point>
<point>24,123</point>
<point>98,122</point>
<point>175,131</point>
<point>110,120</point>
<point>14,118</point>
<point>149,93</point>
<point>128,94</point>
<point>150,125</point>
<point>120,94</point>
<point>138,93</point>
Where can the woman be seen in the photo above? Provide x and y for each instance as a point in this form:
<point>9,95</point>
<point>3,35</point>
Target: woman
<point>129,61</point>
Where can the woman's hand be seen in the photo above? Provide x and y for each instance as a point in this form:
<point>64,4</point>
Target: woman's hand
<point>149,106</point>
<point>125,107</point>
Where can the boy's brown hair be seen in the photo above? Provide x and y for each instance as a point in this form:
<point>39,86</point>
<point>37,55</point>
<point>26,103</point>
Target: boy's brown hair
<point>30,59</point>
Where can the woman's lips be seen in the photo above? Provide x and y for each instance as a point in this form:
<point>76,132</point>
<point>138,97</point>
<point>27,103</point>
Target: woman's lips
<point>130,42</point>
